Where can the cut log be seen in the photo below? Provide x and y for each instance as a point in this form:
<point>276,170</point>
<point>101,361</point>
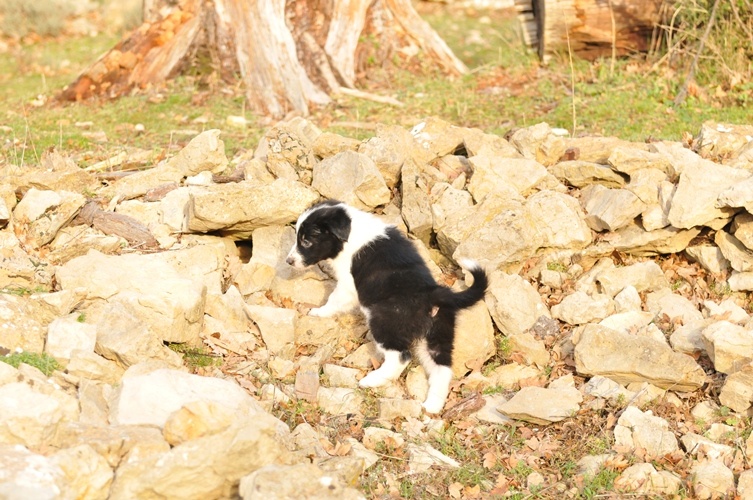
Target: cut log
<point>290,54</point>
<point>134,232</point>
<point>594,28</point>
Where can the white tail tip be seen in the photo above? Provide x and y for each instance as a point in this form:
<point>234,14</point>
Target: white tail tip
<point>468,264</point>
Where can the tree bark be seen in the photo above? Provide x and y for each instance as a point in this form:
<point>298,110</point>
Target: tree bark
<point>290,54</point>
<point>594,28</point>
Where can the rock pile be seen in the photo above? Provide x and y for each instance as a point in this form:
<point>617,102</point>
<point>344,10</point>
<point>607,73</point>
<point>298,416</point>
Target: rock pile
<point>566,227</point>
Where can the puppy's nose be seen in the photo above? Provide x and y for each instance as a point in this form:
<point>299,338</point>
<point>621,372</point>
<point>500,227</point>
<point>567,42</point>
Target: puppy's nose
<point>290,261</point>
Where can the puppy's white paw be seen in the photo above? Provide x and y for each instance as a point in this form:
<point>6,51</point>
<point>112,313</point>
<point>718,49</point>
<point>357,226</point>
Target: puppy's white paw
<point>433,405</point>
<point>373,379</point>
<point>321,312</point>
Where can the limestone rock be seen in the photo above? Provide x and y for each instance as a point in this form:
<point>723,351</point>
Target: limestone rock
<point>579,308</point>
<point>656,216</point>
<point>151,398</point>
<point>688,338</point>
<point>742,227</point>
<point>740,281</point>
<point>64,335</point>
<point>675,306</point>
<point>737,391</point>
<point>697,445</point>
<point>489,172</point>
<point>206,151</point>
<point>474,339</point>
<point>726,309</point>
<point>447,200</point>
<point>30,417</point>
<point>72,242</point>
<point>352,178</point>
<point>271,245</point>
<point>694,202</point>
<point>339,400</point>
<point>196,419</point>
<point>603,387</point>
<point>295,481</point>
<point>644,479</point>
<point>57,172</point>
<point>599,149</point>
<point>25,475</point>
<point>509,375</point>
<point>610,209</point>
<point>745,484</point>
<point>627,358</point>
<point>635,240</point>
<point>513,303</point>
<point>709,257</point>
<point>738,195</point>
<point>532,350</point>
<point>538,142</point>
<point>113,442</point>
<point>580,174</point>
<point>123,335</point>
<point>24,323</point>
<point>637,429</point>
<point>643,276</point>
<point>207,467</point>
<point>58,209</point>
<point>729,346</point>
<point>738,255</point>
<point>416,206</point>
<point>328,144</point>
<point>287,149</point>
<point>712,479</point>
<point>720,139</point>
<point>559,219</point>
<point>389,149</point>
<point>277,325</point>
<point>237,209</point>
<point>461,225</point>
<point>631,161</point>
<point>391,408</point>
<point>87,474</point>
<point>542,406</point>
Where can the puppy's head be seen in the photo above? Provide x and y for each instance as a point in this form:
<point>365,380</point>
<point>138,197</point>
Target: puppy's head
<point>321,233</point>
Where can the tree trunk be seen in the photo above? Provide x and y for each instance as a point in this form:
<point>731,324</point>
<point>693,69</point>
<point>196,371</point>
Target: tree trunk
<point>593,28</point>
<point>290,54</point>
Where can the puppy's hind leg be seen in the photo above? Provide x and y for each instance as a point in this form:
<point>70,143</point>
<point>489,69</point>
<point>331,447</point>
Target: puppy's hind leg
<point>435,355</point>
<point>394,364</point>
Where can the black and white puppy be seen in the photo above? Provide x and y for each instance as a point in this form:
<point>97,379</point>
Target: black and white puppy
<point>378,268</point>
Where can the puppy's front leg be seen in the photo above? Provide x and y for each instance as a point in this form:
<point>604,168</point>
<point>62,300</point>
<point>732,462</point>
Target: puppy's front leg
<point>343,299</point>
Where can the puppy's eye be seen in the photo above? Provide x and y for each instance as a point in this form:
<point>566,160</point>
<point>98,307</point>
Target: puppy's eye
<point>306,243</point>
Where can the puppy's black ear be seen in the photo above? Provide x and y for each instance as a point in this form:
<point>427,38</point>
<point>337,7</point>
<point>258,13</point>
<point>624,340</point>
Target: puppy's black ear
<point>339,225</point>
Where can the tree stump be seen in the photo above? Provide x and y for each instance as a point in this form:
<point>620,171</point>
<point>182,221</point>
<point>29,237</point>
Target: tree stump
<point>290,54</point>
<point>591,28</point>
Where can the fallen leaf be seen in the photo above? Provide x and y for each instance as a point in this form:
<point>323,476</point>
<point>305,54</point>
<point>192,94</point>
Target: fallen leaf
<point>490,460</point>
<point>455,490</point>
<point>472,491</point>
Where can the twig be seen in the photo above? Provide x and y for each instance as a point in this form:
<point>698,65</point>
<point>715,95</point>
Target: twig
<point>614,39</point>
<point>572,75</point>
<point>691,72</point>
<point>360,94</point>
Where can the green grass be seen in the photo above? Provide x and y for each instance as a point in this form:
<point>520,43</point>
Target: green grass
<point>600,484</point>
<point>196,357</point>
<point>21,290</point>
<point>507,88</point>
<point>43,362</point>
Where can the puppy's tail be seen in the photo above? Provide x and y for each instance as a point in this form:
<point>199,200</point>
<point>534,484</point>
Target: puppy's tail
<point>444,297</point>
